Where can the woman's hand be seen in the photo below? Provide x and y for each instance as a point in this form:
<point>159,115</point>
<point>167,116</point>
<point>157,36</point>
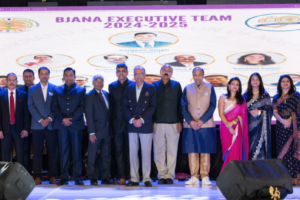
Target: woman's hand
<point>229,124</point>
<point>232,131</point>
<point>254,112</point>
<point>287,123</point>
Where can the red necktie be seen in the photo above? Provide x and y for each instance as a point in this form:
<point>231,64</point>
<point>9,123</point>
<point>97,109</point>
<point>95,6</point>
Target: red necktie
<point>12,108</point>
<point>102,97</point>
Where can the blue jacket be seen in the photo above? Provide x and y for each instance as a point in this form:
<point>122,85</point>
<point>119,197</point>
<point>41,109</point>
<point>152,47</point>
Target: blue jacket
<point>135,44</point>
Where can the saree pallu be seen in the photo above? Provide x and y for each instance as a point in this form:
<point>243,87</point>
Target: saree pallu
<point>288,139</point>
<point>235,146</point>
<point>260,127</point>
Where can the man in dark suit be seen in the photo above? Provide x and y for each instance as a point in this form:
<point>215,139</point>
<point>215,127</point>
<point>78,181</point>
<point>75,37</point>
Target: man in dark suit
<point>68,107</point>
<point>116,91</point>
<point>28,78</point>
<point>185,61</point>
<point>97,113</point>
<point>144,40</point>
<point>14,119</point>
<point>39,105</point>
<point>139,104</point>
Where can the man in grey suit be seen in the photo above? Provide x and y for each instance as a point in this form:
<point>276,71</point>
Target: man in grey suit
<point>39,105</point>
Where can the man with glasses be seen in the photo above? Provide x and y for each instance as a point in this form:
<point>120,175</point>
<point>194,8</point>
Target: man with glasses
<point>167,125</point>
<point>139,104</point>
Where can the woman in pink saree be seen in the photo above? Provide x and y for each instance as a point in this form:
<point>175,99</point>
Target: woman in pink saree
<point>234,124</point>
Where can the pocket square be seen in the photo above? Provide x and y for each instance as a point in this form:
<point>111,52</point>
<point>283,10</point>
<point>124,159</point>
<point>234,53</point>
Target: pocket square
<point>147,93</point>
<point>50,93</point>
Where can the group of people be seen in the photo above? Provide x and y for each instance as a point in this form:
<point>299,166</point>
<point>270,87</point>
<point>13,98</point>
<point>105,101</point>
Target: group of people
<point>137,115</point>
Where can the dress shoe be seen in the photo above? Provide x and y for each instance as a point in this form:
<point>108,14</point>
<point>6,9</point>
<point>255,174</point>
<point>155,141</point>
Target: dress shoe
<point>38,181</point>
<point>169,181</point>
<point>148,184</point>
<point>79,182</point>
<point>108,181</point>
<point>161,181</point>
<point>94,181</point>
<point>62,182</point>
<point>131,183</point>
<point>122,181</point>
<point>52,180</point>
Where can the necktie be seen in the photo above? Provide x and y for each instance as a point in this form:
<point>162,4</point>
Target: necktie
<point>147,44</point>
<point>102,97</point>
<point>12,108</point>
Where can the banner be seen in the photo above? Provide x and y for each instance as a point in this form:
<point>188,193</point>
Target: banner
<point>225,40</point>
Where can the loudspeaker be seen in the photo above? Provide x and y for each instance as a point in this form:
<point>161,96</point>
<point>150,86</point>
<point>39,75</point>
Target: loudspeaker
<point>15,182</point>
<point>245,180</point>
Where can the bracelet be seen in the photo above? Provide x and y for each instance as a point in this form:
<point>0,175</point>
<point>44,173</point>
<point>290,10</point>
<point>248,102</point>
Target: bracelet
<point>234,122</point>
<point>259,112</point>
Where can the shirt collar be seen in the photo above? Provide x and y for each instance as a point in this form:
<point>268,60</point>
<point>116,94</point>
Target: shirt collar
<point>98,90</point>
<point>71,86</point>
<point>124,83</point>
<point>142,44</point>
<point>44,86</point>
<point>140,86</point>
<point>14,91</point>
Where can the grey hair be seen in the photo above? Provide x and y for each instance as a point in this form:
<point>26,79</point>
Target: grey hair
<point>139,67</point>
<point>166,65</point>
<point>97,76</point>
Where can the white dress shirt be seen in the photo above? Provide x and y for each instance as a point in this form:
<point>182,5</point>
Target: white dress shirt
<point>189,65</point>
<point>14,95</point>
<point>44,91</point>
<point>142,44</point>
<point>138,93</point>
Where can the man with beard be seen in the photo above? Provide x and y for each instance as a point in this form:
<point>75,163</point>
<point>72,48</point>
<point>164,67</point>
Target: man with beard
<point>185,61</point>
<point>167,125</point>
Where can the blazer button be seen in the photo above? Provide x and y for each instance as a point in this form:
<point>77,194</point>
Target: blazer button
<point>143,109</point>
<point>130,108</point>
<point>68,109</point>
<point>129,101</point>
<point>145,101</point>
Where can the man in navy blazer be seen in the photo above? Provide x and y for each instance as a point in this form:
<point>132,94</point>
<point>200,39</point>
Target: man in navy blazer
<point>14,119</point>
<point>39,105</point>
<point>97,106</point>
<point>144,40</point>
<point>139,104</point>
<point>68,107</point>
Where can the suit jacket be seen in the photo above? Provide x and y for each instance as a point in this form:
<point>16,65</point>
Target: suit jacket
<point>97,115</point>
<point>68,102</point>
<point>135,44</point>
<point>178,64</point>
<point>144,108</point>
<point>38,108</point>
<point>21,112</point>
<point>116,92</point>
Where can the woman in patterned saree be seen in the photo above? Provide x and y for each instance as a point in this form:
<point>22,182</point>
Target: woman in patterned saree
<point>286,106</point>
<point>234,124</point>
<point>260,113</point>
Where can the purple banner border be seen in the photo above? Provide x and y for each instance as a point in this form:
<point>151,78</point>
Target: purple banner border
<point>151,7</point>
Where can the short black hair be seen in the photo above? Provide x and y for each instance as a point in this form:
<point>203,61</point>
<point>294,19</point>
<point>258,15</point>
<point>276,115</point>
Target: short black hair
<point>143,33</point>
<point>70,69</point>
<point>11,74</point>
<point>105,57</point>
<point>122,65</point>
<point>41,68</point>
<point>217,75</point>
<point>198,68</point>
<point>43,55</point>
<point>28,70</point>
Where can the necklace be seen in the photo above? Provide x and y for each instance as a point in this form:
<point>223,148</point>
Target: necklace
<point>255,92</point>
<point>284,97</point>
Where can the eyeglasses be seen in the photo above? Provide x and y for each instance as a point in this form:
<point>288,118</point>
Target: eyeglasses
<point>168,71</point>
<point>139,74</point>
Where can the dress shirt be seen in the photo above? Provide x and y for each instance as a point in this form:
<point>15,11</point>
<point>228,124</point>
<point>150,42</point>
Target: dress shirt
<point>138,93</point>
<point>142,44</point>
<point>44,91</point>
<point>189,65</point>
<point>14,94</point>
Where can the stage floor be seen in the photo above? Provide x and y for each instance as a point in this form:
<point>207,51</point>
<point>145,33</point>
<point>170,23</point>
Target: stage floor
<point>162,192</point>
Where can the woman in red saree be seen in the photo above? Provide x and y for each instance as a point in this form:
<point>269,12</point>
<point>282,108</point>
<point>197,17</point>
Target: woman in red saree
<point>234,124</point>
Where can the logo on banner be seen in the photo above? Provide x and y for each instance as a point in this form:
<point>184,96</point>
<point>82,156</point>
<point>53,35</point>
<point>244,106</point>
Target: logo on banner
<point>16,25</point>
<point>275,22</point>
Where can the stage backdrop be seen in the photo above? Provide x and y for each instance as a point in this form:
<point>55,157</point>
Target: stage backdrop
<point>225,40</point>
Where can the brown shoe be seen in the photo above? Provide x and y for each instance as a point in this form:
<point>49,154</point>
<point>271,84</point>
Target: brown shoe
<point>122,181</point>
<point>52,180</point>
<point>38,181</point>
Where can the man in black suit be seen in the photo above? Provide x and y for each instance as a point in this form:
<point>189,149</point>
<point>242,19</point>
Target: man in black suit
<point>139,104</point>
<point>97,109</point>
<point>119,123</point>
<point>14,119</point>
<point>28,78</point>
<point>68,107</point>
<point>185,61</point>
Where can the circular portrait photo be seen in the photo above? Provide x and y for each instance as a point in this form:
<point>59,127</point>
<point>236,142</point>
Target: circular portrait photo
<point>3,81</point>
<point>272,79</point>
<point>45,60</point>
<point>257,59</point>
<point>112,60</point>
<point>221,80</point>
<point>81,80</point>
<point>185,59</point>
<point>143,39</point>
<point>150,78</point>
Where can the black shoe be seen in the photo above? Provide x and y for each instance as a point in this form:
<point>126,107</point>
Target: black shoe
<point>148,184</point>
<point>62,182</point>
<point>107,181</point>
<point>169,181</point>
<point>94,181</point>
<point>131,183</point>
<point>79,182</point>
<point>161,181</point>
